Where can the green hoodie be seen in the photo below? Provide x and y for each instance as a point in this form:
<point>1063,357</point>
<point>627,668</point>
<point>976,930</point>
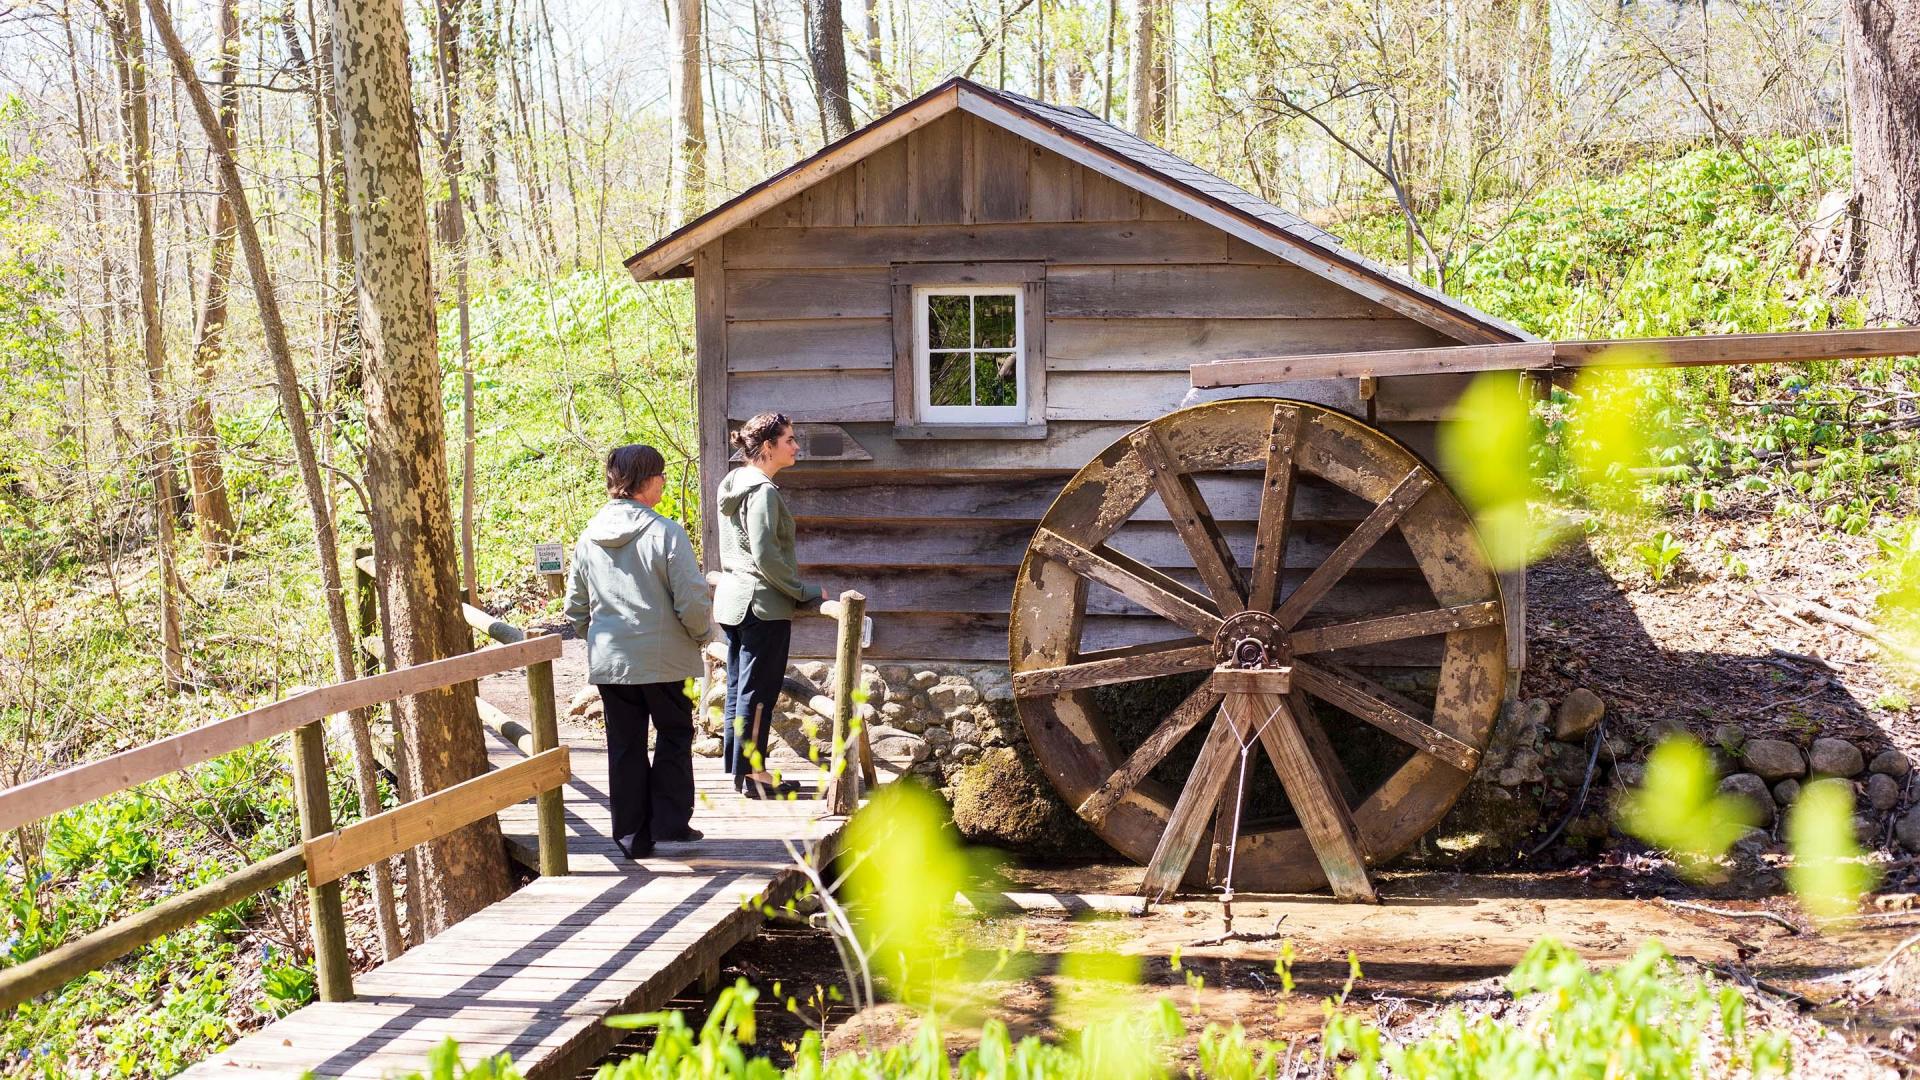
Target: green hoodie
<point>756,551</point>
<point>637,597</point>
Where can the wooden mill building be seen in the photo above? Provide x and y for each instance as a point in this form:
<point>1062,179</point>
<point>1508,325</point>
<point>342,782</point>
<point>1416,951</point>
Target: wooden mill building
<point>967,300</point>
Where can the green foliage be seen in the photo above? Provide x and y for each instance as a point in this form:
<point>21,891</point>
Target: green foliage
<point>1680,809</point>
<point>1827,872</point>
<point>1487,451</point>
<point>1896,573</point>
<point>1659,555</point>
<point>1642,1018</point>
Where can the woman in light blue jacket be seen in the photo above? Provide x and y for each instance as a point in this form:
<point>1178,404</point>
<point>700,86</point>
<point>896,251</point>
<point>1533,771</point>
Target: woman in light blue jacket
<point>636,595</point>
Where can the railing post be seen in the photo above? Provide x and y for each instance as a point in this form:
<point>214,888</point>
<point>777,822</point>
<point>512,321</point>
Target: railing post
<point>546,736</point>
<point>332,970</point>
<point>366,611</point>
<point>843,786</point>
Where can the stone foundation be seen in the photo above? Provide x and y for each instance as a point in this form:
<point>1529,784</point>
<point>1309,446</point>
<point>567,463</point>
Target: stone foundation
<point>955,728</point>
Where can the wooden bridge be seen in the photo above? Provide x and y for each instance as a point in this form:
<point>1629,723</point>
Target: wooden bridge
<point>535,974</point>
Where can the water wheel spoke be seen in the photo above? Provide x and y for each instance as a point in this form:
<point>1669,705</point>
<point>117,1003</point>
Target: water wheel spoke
<point>1276,509</point>
<point>1107,670</point>
<point>1368,533</point>
<point>1322,746</point>
<point>1197,707</point>
<point>1384,709</point>
<point>1387,628</point>
<point>1192,520</point>
<point>1187,824</point>
<point>1324,815</point>
<point>1132,579</point>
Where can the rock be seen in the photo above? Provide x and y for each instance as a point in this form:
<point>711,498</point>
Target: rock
<point>814,671</point>
<point>1786,791</point>
<point>1629,774</point>
<point>706,747</point>
<point>1001,799</point>
<point>897,750</point>
<point>1883,792</point>
<point>895,674</point>
<point>923,679</point>
<point>948,696</point>
<point>1579,712</point>
<point>892,711</point>
<point>994,683</point>
<point>874,686</point>
<point>1891,763</point>
<point>1835,757</point>
<point>965,751</point>
<point>587,698</point>
<point>956,714</point>
<point>1754,790</point>
<point>1773,759</point>
<point>1663,729</point>
<point>1729,737</point>
<point>1907,829</point>
<point>965,730</point>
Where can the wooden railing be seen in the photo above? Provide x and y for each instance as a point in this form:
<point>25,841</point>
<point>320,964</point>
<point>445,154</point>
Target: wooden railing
<point>849,613</point>
<point>325,854</point>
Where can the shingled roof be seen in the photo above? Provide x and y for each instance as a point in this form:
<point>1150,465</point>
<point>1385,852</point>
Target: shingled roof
<point>1118,153</point>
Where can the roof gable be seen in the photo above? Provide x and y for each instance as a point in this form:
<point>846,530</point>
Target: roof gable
<point>1084,139</point>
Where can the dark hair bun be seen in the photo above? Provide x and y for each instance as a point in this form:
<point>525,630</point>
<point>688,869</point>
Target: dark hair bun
<point>754,435</point>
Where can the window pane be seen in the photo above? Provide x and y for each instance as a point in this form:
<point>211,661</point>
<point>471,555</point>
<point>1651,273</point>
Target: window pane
<point>947,322</point>
<point>994,380</point>
<point>993,322</point>
<point>947,384</point>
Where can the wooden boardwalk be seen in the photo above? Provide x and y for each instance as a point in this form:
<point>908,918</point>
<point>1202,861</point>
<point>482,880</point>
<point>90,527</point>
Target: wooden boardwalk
<point>533,975</point>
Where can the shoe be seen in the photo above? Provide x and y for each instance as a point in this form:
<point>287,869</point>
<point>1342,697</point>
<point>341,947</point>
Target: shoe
<point>760,789</point>
<point>739,784</point>
<point>635,852</point>
<point>690,836</point>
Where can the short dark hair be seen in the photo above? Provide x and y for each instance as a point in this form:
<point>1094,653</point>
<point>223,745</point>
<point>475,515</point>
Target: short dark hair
<point>755,434</point>
<point>630,466</point>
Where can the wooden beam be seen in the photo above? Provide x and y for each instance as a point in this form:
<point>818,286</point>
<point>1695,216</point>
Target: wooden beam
<point>336,854</point>
<point>1120,669</point>
<point>544,711</point>
<point>1197,707</point>
<point>69,788</point>
<point>57,967</point>
<point>843,788</point>
<point>1548,357</point>
<point>1212,770</point>
<point>1324,815</point>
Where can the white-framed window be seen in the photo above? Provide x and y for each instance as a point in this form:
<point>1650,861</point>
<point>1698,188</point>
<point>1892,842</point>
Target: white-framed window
<point>968,354</point>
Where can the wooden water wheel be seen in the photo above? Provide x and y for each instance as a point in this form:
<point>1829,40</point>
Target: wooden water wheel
<point>1367,670</point>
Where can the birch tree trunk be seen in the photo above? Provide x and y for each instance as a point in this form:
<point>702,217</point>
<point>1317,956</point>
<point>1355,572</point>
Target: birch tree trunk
<point>212,512</point>
<point>287,383</point>
<point>1146,84</point>
<point>439,732</point>
<point>129,46</point>
<point>827,56</point>
<point>687,195</point>
<point>1883,85</point>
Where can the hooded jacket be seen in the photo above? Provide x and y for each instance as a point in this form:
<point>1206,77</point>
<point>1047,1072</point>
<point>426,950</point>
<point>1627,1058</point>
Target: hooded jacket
<point>637,597</point>
<point>762,574</point>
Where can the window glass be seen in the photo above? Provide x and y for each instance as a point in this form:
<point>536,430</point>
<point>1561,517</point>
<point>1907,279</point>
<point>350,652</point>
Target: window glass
<point>968,355</point>
<point>947,382</point>
<point>993,322</point>
<point>948,324</point>
<point>993,379</point>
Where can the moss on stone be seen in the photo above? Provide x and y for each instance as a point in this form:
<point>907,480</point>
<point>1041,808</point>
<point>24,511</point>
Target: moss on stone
<point>1002,800</point>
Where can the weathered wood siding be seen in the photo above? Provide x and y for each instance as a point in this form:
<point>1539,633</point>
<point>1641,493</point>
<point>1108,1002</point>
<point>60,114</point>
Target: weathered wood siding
<point>933,529</point>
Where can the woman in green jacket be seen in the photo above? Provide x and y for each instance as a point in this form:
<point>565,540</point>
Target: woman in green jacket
<point>758,591</point>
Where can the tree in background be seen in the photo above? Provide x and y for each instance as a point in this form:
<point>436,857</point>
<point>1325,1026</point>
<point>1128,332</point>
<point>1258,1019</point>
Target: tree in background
<point>827,56</point>
<point>212,511</point>
<point>1147,77</point>
<point>406,454</point>
<point>688,195</point>
<point>1883,88</point>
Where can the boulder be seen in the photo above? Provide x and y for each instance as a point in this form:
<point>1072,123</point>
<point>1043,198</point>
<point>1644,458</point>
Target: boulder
<point>1773,759</point>
<point>1891,763</point>
<point>586,699</point>
<point>923,679</point>
<point>1907,829</point>
<point>1729,737</point>
<point>1579,713</point>
<point>1751,788</point>
<point>706,747</point>
<point>897,751</point>
<point>1835,757</point>
<point>1001,799</point>
<point>949,696</point>
<point>1786,791</point>
<point>1883,792</point>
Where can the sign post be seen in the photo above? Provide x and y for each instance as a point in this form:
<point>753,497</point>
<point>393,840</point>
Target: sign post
<point>549,560</point>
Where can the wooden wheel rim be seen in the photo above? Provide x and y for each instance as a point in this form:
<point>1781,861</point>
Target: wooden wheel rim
<point>1073,742</point>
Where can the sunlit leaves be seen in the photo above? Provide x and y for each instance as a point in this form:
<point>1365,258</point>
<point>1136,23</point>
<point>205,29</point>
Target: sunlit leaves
<point>1679,808</point>
<point>1896,571</point>
<point>907,868</point>
<point>1610,434</point>
<point>1486,451</point>
<point>1827,874</point>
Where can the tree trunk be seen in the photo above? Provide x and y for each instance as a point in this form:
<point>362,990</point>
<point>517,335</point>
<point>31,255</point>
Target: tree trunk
<point>1883,87</point>
<point>130,56</point>
<point>1146,84</point>
<point>287,383</point>
<point>879,98</point>
<point>453,232</point>
<point>827,56</point>
<point>212,512</point>
<point>440,742</point>
<point>687,196</point>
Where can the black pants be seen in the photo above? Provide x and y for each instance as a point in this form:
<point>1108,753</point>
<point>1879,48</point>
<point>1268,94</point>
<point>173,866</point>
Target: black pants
<point>650,801</point>
<point>756,663</point>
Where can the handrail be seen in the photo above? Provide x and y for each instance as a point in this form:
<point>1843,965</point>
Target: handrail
<point>303,714</point>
